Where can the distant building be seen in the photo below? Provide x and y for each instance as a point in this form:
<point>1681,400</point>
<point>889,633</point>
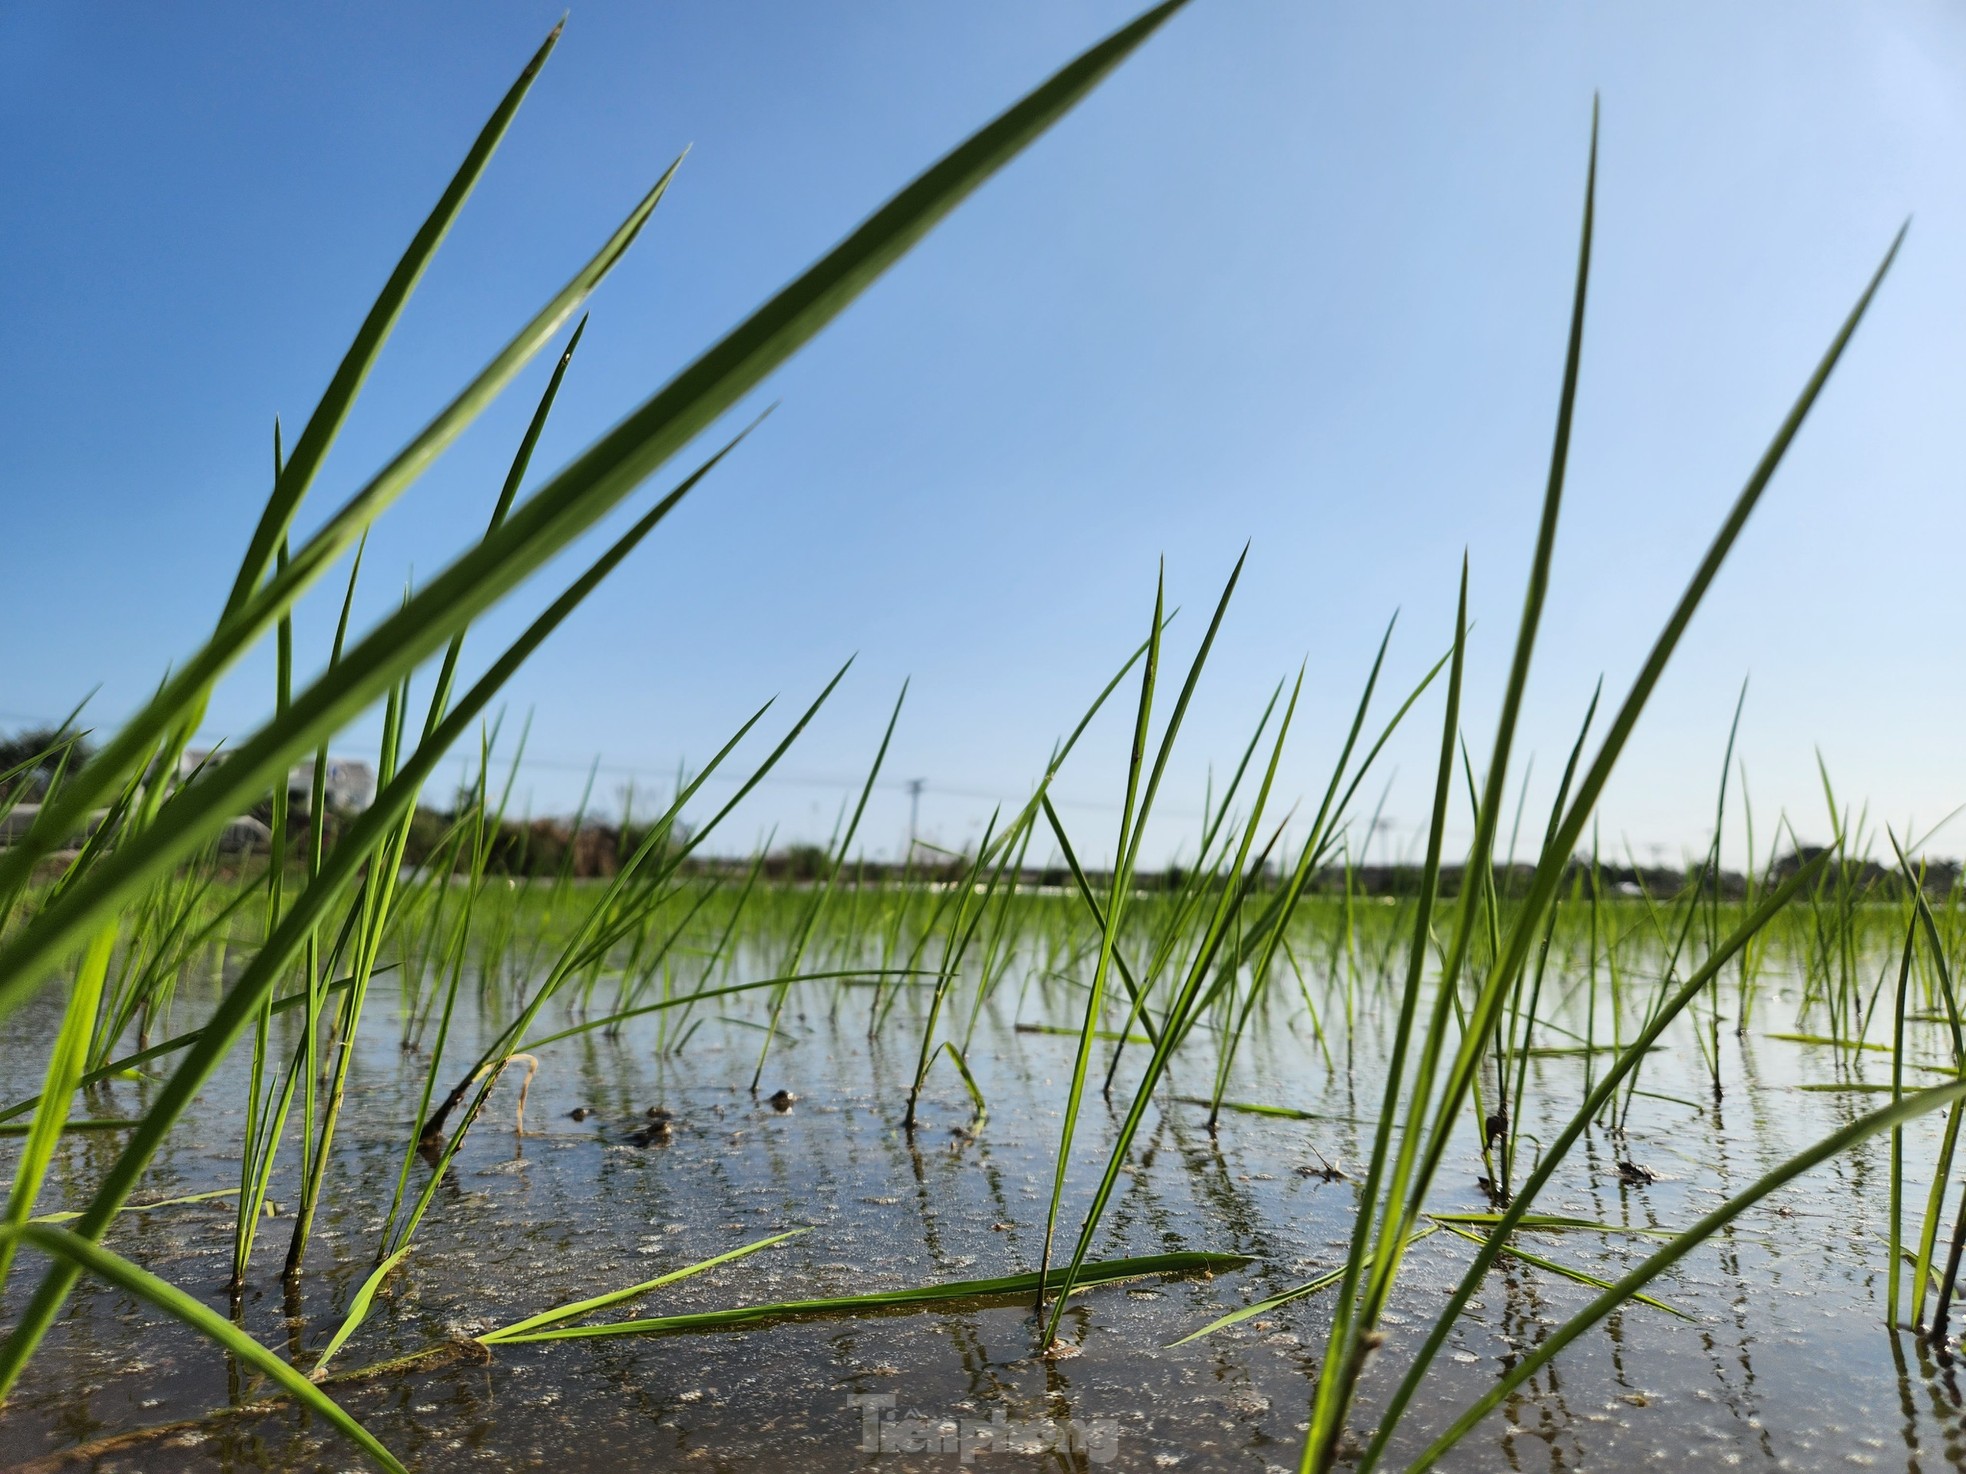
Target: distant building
<point>350,785</point>
<point>350,788</point>
<point>244,835</point>
<point>17,821</point>
<point>19,818</point>
<point>350,781</point>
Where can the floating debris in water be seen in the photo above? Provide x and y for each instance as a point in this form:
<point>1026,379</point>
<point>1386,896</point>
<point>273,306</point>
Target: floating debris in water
<point>1325,1171</point>
<point>656,1133</point>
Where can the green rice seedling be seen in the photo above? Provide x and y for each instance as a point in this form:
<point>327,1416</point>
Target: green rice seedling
<point>579,1308</point>
<point>314,969</point>
<point>1673,939</point>
<point>181,917</point>
<point>1833,985</point>
<point>160,731</point>
<point>1362,1257</point>
<point>1000,905</point>
<point>971,905</point>
<point>1014,837</point>
<point>1894,1249</point>
<point>1627,1288</point>
<point>1137,990</point>
<point>262,1129</point>
<point>689,1000</point>
<point>1271,929</point>
<point>379,894</point>
<point>49,764</point>
<point>475,836</point>
<point>1747,989</point>
<point>1137,809</point>
<point>648,957</point>
<point>64,1076</point>
<point>267,1114</point>
<point>721,948</point>
<point>551,1325</point>
<point>559,511</point>
<point>1541,961</point>
<point>1005,1287</point>
<point>126,1064</point>
<point>1710,887</point>
<point>590,940</point>
<point>360,1303</point>
<point>1441,1084</point>
<point>66,1246</point>
<point>823,891</point>
<point>1921,920</point>
<point>1519,1211</point>
<point>1231,1036</point>
<point>1518,1035</point>
<point>1563,1271</point>
<point>369,914</point>
<point>1208,973</point>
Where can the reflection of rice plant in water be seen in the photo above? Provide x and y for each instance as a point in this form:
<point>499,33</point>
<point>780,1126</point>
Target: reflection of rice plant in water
<point>1512,1007</point>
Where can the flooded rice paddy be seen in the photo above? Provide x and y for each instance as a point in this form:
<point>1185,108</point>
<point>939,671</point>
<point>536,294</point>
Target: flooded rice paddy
<point>1780,1362</point>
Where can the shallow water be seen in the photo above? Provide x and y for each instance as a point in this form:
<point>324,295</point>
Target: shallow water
<point>1783,1365</point>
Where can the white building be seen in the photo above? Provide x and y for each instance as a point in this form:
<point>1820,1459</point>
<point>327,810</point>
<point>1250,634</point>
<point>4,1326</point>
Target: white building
<point>350,785</point>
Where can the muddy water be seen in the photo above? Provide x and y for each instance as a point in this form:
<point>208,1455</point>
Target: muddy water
<point>1782,1363</point>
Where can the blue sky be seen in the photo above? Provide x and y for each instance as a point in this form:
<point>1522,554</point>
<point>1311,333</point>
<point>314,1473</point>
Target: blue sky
<point>1298,275</point>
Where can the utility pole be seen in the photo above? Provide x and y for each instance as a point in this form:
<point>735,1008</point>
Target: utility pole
<point>915,786</point>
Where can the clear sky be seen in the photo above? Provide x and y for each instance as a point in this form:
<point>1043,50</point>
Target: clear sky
<point>1299,274</point>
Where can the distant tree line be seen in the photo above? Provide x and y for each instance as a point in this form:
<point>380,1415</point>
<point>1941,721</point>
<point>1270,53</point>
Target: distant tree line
<point>31,760</point>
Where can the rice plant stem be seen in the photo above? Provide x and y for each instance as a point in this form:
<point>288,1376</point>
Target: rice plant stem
<point>1657,1263</point>
<point>1554,1155</point>
<point>566,506</point>
<point>242,1000</point>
